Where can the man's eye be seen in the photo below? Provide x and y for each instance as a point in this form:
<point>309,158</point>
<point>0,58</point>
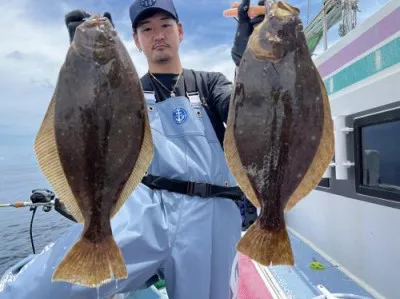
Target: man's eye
<point>167,25</point>
<point>143,29</point>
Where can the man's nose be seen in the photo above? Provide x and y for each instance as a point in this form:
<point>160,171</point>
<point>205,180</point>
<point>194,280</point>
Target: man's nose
<point>159,34</point>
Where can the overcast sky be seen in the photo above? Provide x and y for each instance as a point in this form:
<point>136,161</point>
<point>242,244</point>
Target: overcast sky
<point>34,41</point>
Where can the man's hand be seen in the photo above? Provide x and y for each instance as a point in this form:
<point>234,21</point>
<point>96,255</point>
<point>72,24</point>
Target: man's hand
<point>244,30</point>
<point>76,17</point>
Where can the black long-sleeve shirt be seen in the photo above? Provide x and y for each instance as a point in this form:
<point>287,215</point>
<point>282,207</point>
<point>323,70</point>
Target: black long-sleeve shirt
<point>214,89</point>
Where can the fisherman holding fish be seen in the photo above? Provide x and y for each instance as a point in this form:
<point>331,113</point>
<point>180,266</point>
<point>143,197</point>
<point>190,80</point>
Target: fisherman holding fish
<point>147,167</point>
<point>181,221</point>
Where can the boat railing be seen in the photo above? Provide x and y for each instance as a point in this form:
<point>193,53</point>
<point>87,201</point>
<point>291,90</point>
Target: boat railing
<point>331,13</point>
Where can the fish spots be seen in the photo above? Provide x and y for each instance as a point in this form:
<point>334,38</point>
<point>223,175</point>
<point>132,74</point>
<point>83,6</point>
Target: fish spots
<point>258,175</point>
<point>275,157</point>
<point>313,138</point>
<point>318,99</point>
<point>265,72</point>
<point>299,175</point>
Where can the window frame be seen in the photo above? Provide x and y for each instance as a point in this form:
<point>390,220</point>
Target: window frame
<point>358,123</point>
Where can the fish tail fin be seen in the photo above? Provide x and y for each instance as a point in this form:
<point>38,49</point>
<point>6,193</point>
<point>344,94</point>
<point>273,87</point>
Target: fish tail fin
<point>267,247</point>
<point>92,264</point>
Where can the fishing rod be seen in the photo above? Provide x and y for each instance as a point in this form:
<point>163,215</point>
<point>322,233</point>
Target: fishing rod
<point>39,197</point>
<point>22,204</point>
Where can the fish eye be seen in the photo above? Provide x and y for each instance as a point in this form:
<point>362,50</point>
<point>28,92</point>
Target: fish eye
<point>300,27</point>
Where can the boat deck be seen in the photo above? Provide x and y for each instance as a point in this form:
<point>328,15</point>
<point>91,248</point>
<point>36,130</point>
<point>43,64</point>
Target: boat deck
<point>300,281</point>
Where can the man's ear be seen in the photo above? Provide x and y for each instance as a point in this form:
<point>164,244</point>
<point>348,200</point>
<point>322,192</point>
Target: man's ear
<point>136,39</point>
<point>180,31</point>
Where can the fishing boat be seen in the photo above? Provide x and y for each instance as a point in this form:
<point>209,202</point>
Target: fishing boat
<point>344,233</point>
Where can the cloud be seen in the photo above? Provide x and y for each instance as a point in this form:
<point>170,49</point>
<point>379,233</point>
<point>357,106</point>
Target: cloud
<point>15,55</point>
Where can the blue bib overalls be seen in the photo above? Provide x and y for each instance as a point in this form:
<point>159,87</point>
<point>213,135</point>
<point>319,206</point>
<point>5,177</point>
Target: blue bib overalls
<point>190,240</point>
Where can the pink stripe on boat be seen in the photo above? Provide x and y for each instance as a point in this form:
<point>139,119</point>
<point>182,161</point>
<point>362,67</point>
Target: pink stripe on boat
<point>251,286</point>
<point>382,30</point>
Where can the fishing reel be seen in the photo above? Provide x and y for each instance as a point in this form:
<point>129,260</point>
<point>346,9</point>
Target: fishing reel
<point>42,196</point>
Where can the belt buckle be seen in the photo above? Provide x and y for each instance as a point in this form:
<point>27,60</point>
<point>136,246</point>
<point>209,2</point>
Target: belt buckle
<point>199,189</point>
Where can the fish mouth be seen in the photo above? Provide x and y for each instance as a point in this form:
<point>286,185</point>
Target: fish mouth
<point>283,10</point>
<point>98,23</point>
<point>96,33</point>
<point>275,35</point>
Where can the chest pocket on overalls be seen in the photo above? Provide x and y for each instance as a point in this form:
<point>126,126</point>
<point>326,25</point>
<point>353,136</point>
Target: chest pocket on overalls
<point>179,119</point>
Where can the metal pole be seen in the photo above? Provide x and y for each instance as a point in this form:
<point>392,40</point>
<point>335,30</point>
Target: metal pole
<point>324,28</point>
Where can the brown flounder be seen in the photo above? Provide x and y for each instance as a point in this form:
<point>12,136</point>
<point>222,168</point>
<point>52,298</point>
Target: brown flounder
<point>279,138</point>
<point>94,146</point>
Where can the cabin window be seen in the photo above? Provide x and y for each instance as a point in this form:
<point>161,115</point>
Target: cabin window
<point>377,155</point>
<point>324,183</point>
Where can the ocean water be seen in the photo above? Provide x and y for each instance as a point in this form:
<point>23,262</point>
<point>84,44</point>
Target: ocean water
<point>16,184</point>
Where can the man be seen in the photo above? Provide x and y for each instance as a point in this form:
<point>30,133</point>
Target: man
<point>181,221</point>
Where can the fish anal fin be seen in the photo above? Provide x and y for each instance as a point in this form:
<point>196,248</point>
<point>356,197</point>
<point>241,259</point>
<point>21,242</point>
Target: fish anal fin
<point>92,264</point>
<point>49,161</point>
<point>143,161</point>
<point>267,247</point>
<point>322,158</point>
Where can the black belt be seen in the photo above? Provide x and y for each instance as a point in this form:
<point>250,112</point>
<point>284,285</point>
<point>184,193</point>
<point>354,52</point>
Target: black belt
<point>192,188</point>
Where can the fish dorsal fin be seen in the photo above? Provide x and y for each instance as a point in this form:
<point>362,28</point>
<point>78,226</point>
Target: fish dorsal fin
<point>322,158</point>
<point>49,161</point>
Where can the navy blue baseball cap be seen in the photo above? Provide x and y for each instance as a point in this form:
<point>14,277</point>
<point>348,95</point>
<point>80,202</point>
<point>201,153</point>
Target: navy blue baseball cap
<point>139,7</point>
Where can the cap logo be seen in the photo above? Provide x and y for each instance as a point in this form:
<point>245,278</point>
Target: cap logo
<point>147,3</point>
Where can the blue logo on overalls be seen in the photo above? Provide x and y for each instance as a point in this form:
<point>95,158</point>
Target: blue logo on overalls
<point>179,115</point>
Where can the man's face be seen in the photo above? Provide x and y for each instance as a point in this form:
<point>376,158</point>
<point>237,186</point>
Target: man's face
<point>159,37</point>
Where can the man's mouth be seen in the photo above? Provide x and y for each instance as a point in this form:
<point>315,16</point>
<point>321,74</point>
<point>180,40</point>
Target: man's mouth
<point>160,46</point>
